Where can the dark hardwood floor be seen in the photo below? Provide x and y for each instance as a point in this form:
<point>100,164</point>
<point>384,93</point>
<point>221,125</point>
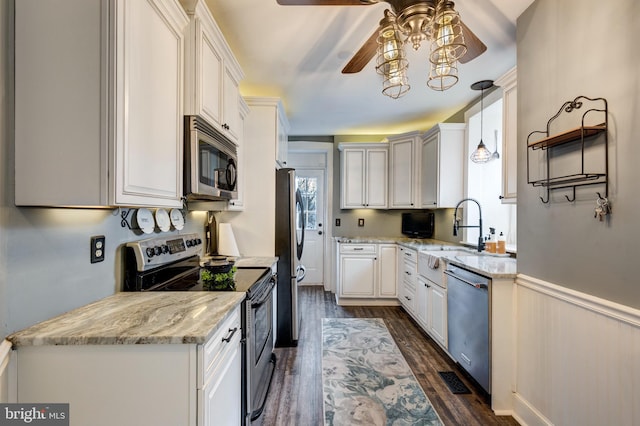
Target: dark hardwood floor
<point>295,397</point>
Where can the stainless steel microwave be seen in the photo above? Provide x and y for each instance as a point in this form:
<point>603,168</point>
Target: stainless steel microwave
<point>210,162</point>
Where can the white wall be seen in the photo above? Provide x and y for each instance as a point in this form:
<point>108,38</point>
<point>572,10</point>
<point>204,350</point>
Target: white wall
<point>254,227</point>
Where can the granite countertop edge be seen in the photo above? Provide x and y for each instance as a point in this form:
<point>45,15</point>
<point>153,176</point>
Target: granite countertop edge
<point>136,318</point>
<point>495,267</point>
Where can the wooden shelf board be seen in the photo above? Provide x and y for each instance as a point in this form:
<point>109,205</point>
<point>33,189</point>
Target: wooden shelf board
<point>568,136</point>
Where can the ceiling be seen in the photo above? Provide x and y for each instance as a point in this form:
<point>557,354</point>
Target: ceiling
<point>296,53</point>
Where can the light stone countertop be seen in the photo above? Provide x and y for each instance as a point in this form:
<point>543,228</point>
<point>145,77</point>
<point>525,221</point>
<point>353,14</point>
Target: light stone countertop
<point>256,262</point>
<point>485,264</point>
<point>136,318</point>
<point>491,266</point>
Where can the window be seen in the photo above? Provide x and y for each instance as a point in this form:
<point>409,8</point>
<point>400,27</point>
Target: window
<point>484,181</point>
<point>308,187</point>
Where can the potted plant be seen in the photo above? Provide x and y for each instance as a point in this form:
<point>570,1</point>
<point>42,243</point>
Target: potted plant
<point>218,281</point>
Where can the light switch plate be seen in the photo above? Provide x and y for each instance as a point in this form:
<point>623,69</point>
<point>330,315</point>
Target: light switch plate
<point>360,222</point>
<point>97,248</point>
<point>337,221</point>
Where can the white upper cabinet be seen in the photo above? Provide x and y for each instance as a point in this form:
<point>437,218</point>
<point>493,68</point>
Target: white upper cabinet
<point>212,73</point>
<point>237,204</point>
<point>508,83</point>
<point>404,161</point>
<point>99,102</point>
<point>363,175</point>
<point>441,165</point>
<point>282,142</point>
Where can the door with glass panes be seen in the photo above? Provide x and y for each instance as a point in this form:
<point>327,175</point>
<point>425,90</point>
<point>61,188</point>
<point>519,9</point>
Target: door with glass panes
<point>310,182</point>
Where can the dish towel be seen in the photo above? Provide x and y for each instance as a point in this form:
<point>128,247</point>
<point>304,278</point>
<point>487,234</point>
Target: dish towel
<point>433,261</point>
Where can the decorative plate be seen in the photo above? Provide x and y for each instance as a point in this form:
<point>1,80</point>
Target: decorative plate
<point>162,220</point>
<point>144,217</point>
<point>177,220</point>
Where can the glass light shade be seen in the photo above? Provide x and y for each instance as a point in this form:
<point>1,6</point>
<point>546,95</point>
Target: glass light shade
<point>443,75</point>
<point>481,154</point>
<point>391,62</point>
<point>448,39</point>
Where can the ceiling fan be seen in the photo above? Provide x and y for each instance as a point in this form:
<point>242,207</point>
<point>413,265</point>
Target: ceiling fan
<point>412,18</point>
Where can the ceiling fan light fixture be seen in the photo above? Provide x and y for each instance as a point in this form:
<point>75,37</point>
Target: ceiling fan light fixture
<point>391,62</point>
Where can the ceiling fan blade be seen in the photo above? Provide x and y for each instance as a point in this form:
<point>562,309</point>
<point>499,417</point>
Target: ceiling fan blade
<point>321,3</point>
<point>364,55</point>
<point>475,47</point>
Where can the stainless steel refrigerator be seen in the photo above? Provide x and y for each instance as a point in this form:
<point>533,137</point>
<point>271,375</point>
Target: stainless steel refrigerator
<point>290,225</point>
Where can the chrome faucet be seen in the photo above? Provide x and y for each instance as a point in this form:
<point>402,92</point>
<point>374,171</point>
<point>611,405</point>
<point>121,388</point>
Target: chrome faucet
<point>456,222</point>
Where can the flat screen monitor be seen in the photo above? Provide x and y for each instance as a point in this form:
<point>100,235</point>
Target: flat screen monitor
<point>418,224</point>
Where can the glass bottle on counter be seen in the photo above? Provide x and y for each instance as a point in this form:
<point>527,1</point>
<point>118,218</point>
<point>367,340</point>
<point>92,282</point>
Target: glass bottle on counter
<point>490,245</point>
<point>502,244</point>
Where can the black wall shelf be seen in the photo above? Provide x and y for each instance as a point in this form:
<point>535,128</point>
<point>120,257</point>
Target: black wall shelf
<point>581,176</point>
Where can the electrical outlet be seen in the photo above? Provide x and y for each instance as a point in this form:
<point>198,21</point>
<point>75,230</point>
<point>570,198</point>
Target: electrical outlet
<point>360,222</point>
<point>97,248</point>
<point>337,221</point>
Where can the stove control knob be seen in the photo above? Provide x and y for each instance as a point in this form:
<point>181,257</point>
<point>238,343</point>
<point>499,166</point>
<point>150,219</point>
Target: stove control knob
<point>188,243</point>
<point>165,249</point>
<point>150,251</point>
<point>158,250</point>
<point>198,241</point>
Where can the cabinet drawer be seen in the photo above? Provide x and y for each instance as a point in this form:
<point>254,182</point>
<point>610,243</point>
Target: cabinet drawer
<point>408,298</point>
<point>409,271</point>
<point>409,255</point>
<point>212,352</point>
<point>358,248</point>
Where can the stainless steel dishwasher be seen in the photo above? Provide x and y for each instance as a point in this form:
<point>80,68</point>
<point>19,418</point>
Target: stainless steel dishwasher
<point>469,325</point>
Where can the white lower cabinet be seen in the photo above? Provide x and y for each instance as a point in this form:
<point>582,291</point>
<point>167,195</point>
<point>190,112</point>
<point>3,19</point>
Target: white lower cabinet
<point>139,384</point>
<point>220,397</point>
<point>438,318</point>
<point>407,274</point>
<point>366,271</point>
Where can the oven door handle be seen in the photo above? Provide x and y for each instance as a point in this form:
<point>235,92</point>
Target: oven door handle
<point>265,296</point>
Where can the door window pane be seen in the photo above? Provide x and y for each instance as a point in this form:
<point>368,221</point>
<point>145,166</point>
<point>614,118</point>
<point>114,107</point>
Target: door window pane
<point>308,187</point>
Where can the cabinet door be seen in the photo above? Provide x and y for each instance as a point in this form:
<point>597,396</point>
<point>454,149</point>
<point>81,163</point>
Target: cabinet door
<point>357,276</point>
<point>422,303</point>
<point>376,178</point>
<point>438,314</point>
<point>237,204</point>
<point>209,74</point>
<point>221,396</point>
<point>231,110</point>
<point>402,171</point>
<point>282,148</point>
<point>387,270</point>
<point>353,179</point>
<point>429,172</point>
<point>510,136</point>
<point>149,110</point>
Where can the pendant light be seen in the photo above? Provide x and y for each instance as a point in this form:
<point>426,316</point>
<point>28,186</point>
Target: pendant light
<point>481,154</point>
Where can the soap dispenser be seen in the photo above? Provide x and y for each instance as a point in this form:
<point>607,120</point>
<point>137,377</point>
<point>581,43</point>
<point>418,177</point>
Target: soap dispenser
<point>502,244</point>
<point>491,243</point>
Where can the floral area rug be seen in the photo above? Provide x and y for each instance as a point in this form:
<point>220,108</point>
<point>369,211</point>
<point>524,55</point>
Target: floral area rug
<point>365,378</point>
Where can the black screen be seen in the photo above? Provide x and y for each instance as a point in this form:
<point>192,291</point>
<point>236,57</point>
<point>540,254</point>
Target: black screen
<point>418,224</point>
